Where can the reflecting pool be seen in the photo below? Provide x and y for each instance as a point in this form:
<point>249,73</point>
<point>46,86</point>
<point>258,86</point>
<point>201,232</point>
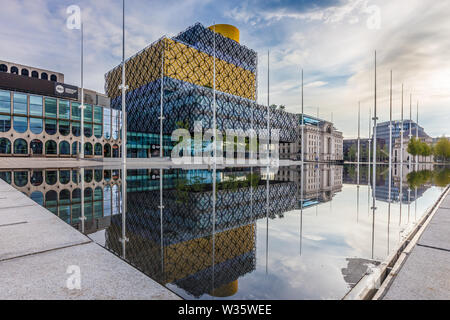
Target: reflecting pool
<point>263,236</point>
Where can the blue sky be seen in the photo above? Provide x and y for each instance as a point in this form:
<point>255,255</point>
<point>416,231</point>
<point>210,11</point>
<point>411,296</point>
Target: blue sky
<point>333,40</point>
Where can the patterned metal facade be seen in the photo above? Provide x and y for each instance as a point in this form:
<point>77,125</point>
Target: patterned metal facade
<point>184,65</point>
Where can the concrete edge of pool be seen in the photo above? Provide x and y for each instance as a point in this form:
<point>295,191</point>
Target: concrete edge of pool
<point>43,258</point>
<point>377,285</point>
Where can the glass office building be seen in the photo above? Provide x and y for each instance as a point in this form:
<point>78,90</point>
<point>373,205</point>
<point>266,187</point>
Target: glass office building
<point>36,125</point>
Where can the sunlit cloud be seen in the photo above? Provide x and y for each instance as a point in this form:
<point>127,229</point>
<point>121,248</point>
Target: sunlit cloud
<point>333,41</point>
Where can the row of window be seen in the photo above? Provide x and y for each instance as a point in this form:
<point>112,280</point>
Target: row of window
<point>22,111</point>
<point>25,72</point>
<point>51,127</point>
<point>20,147</point>
<point>50,177</point>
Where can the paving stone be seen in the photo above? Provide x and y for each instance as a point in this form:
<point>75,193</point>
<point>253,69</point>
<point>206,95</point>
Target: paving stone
<point>102,274</point>
<point>37,236</point>
<point>424,276</point>
<point>437,233</point>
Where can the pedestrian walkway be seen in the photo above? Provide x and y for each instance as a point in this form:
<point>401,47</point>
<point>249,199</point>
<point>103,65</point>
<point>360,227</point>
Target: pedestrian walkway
<point>42,257</point>
<point>425,275</point>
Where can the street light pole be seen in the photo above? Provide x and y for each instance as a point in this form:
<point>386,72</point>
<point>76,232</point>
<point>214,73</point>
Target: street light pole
<point>410,126</point>
<point>417,130</point>
<point>82,107</point>
<point>124,88</point>
<point>401,135</point>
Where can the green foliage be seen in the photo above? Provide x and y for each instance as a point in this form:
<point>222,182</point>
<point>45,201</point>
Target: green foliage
<point>352,153</point>
<point>439,177</point>
<point>419,148</point>
<point>418,178</point>
<point>414,147</point>
<point>442,177</point>
<point>442,149</point>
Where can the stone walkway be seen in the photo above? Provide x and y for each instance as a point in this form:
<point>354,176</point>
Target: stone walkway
<point>426,273</point>
<point>39,253</point>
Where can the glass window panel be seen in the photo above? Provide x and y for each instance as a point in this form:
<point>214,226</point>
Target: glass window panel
<point>36,147</point>
<point>51,198</point>
<point>64,127</point>
<point>50,107</point>
<point>64,148</point>
<point>6,176</point>
<point>98,209</point>
<point>76,112</point>
<point>5,101</point>
<point>115,124</point>
<point>88,149</point>
<point>21,178</point>
<point>98,149</point>
<point>36,108</point>
<point>98,130</point>
<point>107,123</point>
<point>98,193</point>
<point>20,124</point>
<point>51,177</point>
<point>64,109</point>
<point>51,147</point>
<point>36,125</point>
<point>64,175</point>
<point>50,126</point>
<point>37,197</point>
<point>76,195</point>
<point>88,113</point>
<point>5,146</point>
<point>20,147</point>
<point>5,123</point>
<point>88,130</point>
<point>37,178</point>
<point>20,104</point>
<point>107,201</point>
<point>88,175</point>
<point>107,151</point>
<point>76,129</point>
<point>75,148</point>
<point>98,116</point>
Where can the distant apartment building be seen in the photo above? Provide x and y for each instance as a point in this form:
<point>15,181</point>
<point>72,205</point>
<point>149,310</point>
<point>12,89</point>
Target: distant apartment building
<point>322,142</point>
<point>40,115</point>
<point>350,145</point>
<point>409,128</point>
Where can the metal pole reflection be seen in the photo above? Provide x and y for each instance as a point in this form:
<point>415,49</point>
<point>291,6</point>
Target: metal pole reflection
<point>123,207</point>
<point>83,218</point>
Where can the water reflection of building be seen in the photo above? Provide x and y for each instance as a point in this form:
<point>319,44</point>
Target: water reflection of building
<point>399,182</point>
<point>60,191</point>
<point>320,181</point>
<point>179,249</point>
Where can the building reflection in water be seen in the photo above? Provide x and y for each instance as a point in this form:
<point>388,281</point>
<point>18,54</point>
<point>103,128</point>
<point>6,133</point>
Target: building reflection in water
<point>163,223</point>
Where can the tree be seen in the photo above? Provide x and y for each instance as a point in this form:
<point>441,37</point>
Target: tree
<point>427,150</point>
<point>414,147</point>
<point>442,149</point>
<point>352,153</point>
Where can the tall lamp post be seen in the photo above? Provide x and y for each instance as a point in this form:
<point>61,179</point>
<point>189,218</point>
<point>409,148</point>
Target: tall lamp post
<point>82,107</point>
<point>124,88</point>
